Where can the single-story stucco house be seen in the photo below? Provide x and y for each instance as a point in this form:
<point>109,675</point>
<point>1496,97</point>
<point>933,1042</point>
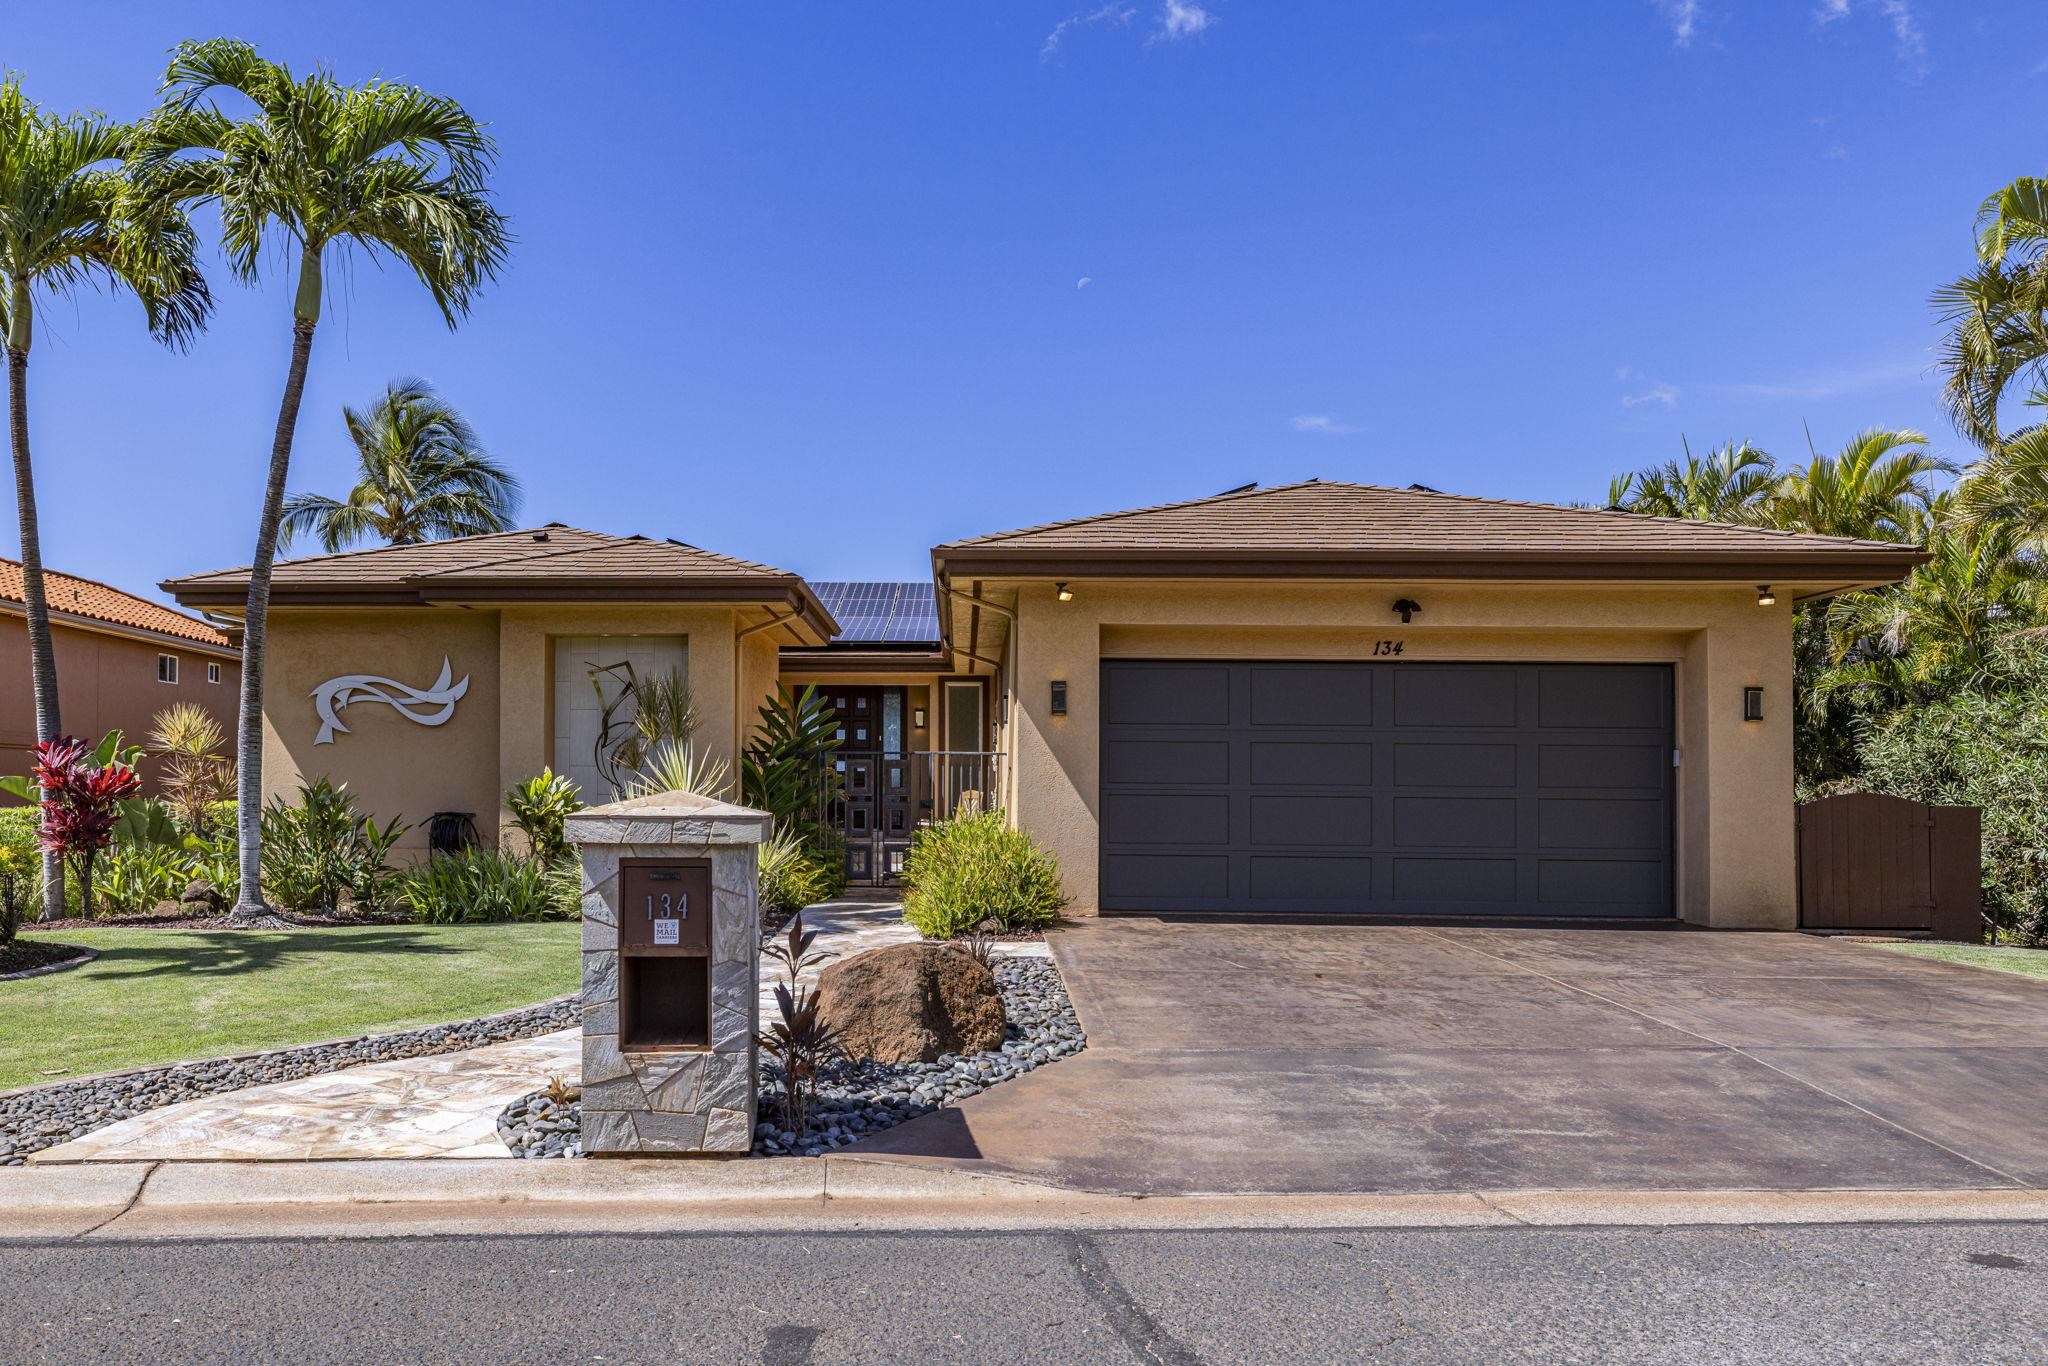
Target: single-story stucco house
<point>1318,698</point>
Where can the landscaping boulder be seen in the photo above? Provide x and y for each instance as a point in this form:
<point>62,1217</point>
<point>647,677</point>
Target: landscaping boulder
<point>201,897</point>
<point>912,1003</point>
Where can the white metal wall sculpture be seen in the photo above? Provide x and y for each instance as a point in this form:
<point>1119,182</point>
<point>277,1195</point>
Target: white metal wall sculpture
<point>427,706</point>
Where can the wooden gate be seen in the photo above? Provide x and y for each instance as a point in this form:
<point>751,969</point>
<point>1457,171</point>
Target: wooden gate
<point>1872,862</point>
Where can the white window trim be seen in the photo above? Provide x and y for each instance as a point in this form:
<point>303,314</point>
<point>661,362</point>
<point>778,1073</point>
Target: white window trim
<point>160,661</point>
<point>213,671</point>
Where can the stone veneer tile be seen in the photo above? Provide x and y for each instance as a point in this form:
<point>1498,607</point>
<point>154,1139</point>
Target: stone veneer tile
<point>602,1060</point>
<point>601,1017</point>
<point>600,975</point>
<point>671,1080</point>
<point>728,1084</point>
<point>728,1131</point>
<point>608,1131</point>
<point>620,1093</point>
<point>661,1132</point>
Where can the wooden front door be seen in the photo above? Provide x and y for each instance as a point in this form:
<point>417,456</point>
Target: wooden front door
<point>876,810</point>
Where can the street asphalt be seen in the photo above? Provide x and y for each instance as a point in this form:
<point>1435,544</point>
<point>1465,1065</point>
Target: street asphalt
<point>1921,1293</point>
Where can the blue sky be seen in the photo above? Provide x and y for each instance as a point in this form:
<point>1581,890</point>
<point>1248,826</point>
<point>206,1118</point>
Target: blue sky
<point>823,285</point>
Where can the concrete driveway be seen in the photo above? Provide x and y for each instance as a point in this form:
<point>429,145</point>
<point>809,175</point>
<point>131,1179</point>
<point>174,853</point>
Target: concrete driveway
<point>1309,1058</point>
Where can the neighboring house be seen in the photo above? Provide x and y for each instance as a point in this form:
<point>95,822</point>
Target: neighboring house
<point>1306,700</point>
<point>120,660</point>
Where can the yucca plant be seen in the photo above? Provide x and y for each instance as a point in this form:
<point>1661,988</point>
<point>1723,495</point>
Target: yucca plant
<point>681,767</point>
<point>197,775</point>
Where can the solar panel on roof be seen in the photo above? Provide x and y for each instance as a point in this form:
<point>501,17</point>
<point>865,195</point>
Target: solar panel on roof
<point>881,613</point>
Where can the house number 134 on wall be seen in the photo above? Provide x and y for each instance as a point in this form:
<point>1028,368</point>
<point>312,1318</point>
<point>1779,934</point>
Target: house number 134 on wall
<point>1388,647</point>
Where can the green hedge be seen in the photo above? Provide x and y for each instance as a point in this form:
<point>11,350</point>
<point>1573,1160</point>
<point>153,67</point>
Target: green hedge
<point>961,873</point>
<point>1989,752</point>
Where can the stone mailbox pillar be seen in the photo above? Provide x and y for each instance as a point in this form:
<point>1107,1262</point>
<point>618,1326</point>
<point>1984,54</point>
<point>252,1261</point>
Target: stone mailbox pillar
<point>671,974</point>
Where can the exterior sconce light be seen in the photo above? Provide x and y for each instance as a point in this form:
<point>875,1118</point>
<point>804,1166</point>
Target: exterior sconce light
<point>1407,607</point>
<point>1059,697</point>
<point>1764,596</point>
<point>1752,704</point>
<point>1062,592</point>
<point>917,718</point>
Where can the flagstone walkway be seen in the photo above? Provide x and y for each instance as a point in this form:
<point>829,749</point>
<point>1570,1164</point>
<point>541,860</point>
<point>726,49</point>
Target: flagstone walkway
<point>441,1106</point>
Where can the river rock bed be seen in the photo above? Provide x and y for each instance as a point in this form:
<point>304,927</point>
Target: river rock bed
<point>859,1098</point>
<point>45,1116</point>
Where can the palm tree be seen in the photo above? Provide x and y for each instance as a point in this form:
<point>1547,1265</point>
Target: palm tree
<point>423,476</point>
<point>2009,485</point>
<point>319,168</point>
<point>1997,314</point>
<point>66,220</point>
<point>1729,485</point>
<point>1872,489</point>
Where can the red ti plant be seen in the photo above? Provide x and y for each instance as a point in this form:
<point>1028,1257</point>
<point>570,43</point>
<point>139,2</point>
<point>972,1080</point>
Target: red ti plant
<point>81,802</point>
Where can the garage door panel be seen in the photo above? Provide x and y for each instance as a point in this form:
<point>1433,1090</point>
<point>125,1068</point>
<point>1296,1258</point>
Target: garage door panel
<point>1297,695</point>
<point>1310,763</point>
<point>1602,697</point>
<point>1167,878</point>
<point>1168,818</point>
<point>1604,882</point>
<point>1456,879</point>
<point>1444,764</point>
<point>1330,821</point>
<point>1262,787</point>
<point>1168,695</point>
<point>1599,823</point>
<point>1425,696</point>
<point>1285,877</point>
<point>1632,767</point>
<point>1455,822</point>
<point>1166,761</point>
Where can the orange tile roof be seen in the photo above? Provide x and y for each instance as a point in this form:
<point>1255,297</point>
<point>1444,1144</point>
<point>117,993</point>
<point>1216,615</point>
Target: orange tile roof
<point>100,602</point>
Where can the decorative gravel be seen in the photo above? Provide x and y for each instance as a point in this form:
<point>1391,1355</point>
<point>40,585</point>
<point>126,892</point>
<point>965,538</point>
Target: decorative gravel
<point>45,1116</point>
<point>856,1099</point>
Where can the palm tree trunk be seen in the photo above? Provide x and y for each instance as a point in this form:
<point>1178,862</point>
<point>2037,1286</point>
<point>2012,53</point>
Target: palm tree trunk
<point>42,652</point>
<point>249,903</point>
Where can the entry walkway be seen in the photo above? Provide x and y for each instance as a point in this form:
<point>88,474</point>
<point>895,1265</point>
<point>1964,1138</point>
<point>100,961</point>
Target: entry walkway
<point>1236,1058</point>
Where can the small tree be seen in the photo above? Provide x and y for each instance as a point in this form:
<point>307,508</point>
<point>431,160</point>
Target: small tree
<point>197,776</point>
<point>82,796</point>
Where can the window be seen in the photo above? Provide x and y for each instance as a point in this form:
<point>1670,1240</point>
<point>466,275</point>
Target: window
<point>166,668</point>
<point>213,673</point>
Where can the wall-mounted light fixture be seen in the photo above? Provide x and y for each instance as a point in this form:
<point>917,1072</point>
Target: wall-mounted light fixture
<point>1407,607</point>
<point>1062,592</point>
<point>1752,704</point>
<point>917,718</point>
<point>1765,597</point>
<point>1059,697</point>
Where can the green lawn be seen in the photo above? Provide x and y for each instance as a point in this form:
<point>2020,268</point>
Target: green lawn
<point>2025,962</point>
<point>157,996</point>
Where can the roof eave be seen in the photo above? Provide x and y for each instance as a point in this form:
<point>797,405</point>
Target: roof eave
<point>1834,566</point>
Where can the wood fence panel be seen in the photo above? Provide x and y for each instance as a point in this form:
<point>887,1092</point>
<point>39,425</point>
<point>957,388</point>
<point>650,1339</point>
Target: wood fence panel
<point>1873,862</point>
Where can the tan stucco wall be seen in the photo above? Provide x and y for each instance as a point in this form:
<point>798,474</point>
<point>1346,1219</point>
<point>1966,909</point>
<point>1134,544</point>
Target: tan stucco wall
<point>502,730</point>
<point>396,767</point>
<point>1735,836</point>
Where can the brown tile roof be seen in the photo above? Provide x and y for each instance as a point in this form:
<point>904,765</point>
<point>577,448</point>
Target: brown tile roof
<point>95,601</point>
<point>554,562</point>
<point>1358,527</point>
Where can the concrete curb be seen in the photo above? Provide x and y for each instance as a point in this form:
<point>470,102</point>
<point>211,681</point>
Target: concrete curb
<point>426,1196</point>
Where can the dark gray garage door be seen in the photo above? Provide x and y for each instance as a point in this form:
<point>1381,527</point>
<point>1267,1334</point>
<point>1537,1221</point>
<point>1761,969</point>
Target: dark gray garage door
<point>1386,789</point>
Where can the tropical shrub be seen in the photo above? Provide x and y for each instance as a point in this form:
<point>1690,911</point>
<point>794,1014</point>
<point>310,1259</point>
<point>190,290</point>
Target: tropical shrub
<point>137,877</point>
<point>18,829</point>
<point>217,861</point>
<point>323,848</point>
<point>539,806</point>
<point>798,1041</point>
<point>791,877</point>
<point>482,884</point>
<point>84,790</point>
<point>786,769</point>
<point>678,766</point>
<point>196,775</point>
<point>1988,751</point>
<point>962,872</point>
<point>16,882</point>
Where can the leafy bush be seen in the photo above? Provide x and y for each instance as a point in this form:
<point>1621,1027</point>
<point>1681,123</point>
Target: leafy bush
<point>786,769</point>
<point>1987,751</point>
<point>18,829</point>
<point>791,877</point>
<point>539,806</point>
<point>136,877</point>
<point>16,884</point>
<point>323,848</point>
<point>481,884</point>
<point>962,872</point>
